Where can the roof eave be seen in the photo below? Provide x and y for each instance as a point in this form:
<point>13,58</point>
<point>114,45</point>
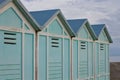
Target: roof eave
<point>92,32</point>
<point>4,3</point>
<point>49,20</point>
<point>27,15</point>
<point>71,32</point>
<point>81,26</point>
<point>108,35</point>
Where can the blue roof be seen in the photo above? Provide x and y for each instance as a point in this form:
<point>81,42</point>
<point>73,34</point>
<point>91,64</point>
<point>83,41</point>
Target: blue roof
<point>43,16</point>
<point>76,24</point>
<point>1,1</point>
<point>98,28</point>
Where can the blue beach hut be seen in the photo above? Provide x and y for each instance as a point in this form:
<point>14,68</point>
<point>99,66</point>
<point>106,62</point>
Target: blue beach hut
<point>54,45</point>
<point>82,50</point>
<point>102,67</point>
<point>17,41</point>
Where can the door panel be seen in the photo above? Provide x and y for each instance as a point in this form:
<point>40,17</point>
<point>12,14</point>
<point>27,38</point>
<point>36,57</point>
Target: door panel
<point>10,55</point>
<point>55,57</point>
<point>83,60</point>
<point>102,65</point>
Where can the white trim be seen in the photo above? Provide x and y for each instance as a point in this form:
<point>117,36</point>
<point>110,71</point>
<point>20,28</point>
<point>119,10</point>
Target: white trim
<point>47,76</point>
<point>102,42</point>
<point>63,58</point>
<point>108,58</point>
<point>88,58</point>
<point>106,63</point>
<point>36,57</point>
<point>23,41</point>
<point>94,59</point>
<point>78,58</point>
<point>97,41</point>
<point>72,43</point>
<point>83,39</point>
<point>71,78</point>
<point>15,29</point>
<point>34,54</point>
<point>53,35</point>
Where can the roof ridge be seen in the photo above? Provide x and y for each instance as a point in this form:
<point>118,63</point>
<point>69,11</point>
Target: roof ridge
<point>45,10</point>
<point>97,24</point>
<point>78,19</point>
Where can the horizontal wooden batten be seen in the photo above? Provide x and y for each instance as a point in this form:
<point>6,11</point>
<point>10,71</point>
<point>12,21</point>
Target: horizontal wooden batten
<point>53,35</point>
<point>15,30</point>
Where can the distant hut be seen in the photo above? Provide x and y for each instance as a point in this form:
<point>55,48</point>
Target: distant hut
<point>102,65</point>
<point>82,49</point>
<point>54,45</point>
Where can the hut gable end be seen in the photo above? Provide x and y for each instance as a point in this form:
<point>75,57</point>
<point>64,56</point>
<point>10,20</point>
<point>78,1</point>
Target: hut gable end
<point>10,18</point>
<point>55,27</point>
<point>103,36</point>
<point>84,33</point>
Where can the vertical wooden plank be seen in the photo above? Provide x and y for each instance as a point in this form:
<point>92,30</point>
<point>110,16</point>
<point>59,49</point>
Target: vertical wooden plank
<point>66,57</point>
<point>10,55</point>
<point>29,57</point>
<point>42,66</point>
<point>75,59</point>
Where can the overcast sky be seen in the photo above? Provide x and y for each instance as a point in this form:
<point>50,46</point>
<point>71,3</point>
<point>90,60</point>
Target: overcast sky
<point>97,11</point>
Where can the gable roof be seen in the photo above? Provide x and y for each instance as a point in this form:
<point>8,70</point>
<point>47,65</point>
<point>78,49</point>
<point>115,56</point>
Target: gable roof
<point>98,28</point>
<point>76,24</point>
<point>23,10</point>
<point>45,16</point>
<point>1,1</point>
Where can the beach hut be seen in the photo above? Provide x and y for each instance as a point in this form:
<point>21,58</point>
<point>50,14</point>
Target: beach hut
<point>54,45</point>
<point>82,50</point>
<point>17,40</point>
<point>102,67</point>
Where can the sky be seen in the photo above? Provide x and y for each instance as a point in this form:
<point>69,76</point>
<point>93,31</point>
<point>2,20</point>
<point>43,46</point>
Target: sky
<point>96,11</point>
